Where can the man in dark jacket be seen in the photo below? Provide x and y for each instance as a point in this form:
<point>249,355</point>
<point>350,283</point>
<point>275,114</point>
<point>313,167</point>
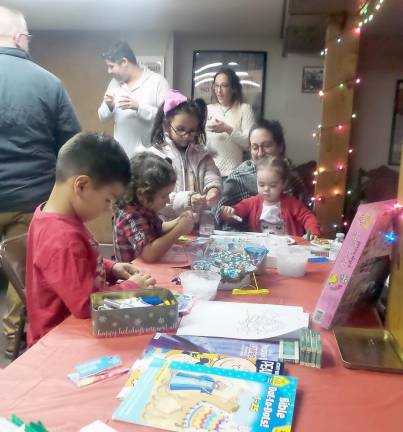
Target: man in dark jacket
<point>36,118</point>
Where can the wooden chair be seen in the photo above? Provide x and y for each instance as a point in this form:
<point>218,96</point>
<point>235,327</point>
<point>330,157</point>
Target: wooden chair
<point>12,256</point>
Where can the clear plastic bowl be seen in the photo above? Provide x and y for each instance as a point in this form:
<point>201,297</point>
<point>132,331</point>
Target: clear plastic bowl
<point>291,262</point>
<point>200,284</point>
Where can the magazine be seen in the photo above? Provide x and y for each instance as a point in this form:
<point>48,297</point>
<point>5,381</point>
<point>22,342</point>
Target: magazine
<point>181,396</point>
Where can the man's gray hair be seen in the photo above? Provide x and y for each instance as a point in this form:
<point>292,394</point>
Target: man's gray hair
<point>12,21</point>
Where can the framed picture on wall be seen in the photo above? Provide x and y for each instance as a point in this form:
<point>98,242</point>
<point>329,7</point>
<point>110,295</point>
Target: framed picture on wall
<point>396,136</point>
<point>312,79</point>
<point>250,66</point>
<point>154,63</point>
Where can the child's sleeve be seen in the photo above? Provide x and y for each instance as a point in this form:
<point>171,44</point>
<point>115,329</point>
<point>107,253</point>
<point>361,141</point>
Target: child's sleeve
<point>243,208</point>
<point>112,279</point>
<point>70,273</point>
<point>212,176</point>
<point>307,219</point>
<point>180,200</point>
<point>130,236</point>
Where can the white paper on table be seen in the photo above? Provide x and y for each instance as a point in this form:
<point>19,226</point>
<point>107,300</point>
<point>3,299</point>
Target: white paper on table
<point>243,320</point>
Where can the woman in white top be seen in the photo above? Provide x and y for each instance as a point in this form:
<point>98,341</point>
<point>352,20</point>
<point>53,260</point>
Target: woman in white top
<point>229,122</point>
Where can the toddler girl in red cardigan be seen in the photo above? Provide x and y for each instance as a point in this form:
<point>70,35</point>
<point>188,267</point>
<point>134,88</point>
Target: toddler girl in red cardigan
<point>270,210</point>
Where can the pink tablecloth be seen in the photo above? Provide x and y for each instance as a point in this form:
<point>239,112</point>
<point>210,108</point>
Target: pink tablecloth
<point>333,399</point>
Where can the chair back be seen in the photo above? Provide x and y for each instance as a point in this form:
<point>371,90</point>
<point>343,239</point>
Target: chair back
<point>12,256</point>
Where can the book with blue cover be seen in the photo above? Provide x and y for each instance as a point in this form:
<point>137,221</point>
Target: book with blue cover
<point>206,359</point>
<point>181,396</point>
<point>230,347</point>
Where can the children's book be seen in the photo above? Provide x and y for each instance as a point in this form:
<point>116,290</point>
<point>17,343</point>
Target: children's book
<point>230,347</point>
<point>192,357</point>
<point>361,266</point>
<point>180,396</point>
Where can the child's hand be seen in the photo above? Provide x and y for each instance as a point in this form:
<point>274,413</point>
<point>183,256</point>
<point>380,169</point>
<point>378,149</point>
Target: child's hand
<point>186,222</point>
<point>212,197</point>
<point>198,202</point>
<point>143,281</point>
<point>227,211</point>
<point>124,270</point>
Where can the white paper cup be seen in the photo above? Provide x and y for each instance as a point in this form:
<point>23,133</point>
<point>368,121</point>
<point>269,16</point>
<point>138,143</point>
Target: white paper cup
<point>200,284</point>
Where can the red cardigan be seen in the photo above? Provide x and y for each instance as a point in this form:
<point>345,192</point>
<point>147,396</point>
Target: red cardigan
<point>296,217</point>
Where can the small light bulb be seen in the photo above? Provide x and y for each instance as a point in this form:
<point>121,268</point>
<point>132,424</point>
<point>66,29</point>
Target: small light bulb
<point>357,30</point>
<point>315,173</point>
<point>335,226</point>
<point>340,167</point>
<point>358,80</point>
<point>319,126</point>
<point>338,40</point>
<point>345,223</point>
<point>380,2</point>
<point>313,199</point>
<point>360,24</point>
<point>349,192</point>
<point>314,134</point>
<point>378,6</point>
<point>366,20</point>
<point>371,17</point>
<point>350,151</point>
<point>321,169</point>
<point>341,85</point>
<point>339,127</point>
<point>353,115</point>
<point>314,181</point>
<point>321,93</point>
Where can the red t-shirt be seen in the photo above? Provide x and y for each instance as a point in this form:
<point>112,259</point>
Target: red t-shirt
<point>63,268</point>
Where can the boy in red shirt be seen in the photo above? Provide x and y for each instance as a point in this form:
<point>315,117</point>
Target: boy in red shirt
<point>63,266</point>
<point>271,210</point>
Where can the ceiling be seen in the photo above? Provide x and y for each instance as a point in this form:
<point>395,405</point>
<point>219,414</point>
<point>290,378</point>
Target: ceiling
<point>182,16</point>
<point>264,17</point>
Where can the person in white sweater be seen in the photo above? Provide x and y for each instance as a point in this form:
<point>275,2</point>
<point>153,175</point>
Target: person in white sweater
<point>229,122</point>
<point>131,99</point>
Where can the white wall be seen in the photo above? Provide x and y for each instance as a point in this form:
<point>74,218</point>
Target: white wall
<point>380,66</point>
<point>298,112</point>
<point>153,44</point>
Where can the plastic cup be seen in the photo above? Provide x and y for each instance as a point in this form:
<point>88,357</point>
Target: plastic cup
<point>195,250</point>
<point>291,262</point>
<point>200,284</point>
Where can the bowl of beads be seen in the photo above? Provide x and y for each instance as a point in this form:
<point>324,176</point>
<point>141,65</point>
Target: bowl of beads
<point>235,262</point>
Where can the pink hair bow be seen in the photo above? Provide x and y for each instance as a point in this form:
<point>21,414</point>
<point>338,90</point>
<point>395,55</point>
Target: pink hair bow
<point>173,99</point>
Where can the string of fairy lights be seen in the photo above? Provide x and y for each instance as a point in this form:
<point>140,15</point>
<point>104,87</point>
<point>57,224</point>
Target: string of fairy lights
<point>366,15</point>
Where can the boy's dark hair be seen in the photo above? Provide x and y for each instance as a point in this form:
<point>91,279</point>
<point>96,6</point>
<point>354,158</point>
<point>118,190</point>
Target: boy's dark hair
<point>275,128</point>
<point>118,52</point>
<point>196,107</point>
<point>235,83</point>
<point>278,164</point>
<point>98,156</point>
<point>149,174</point>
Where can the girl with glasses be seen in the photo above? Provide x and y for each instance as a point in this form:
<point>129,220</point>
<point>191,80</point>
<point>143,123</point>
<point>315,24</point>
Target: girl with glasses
<point>179,135</point>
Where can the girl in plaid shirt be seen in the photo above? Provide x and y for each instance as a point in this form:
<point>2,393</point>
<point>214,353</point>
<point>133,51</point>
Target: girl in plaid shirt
<point>137,229</point>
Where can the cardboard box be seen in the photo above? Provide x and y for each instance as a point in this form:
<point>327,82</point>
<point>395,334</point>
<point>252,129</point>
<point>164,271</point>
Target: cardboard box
<point>361,265</point>
<point>139,320</point>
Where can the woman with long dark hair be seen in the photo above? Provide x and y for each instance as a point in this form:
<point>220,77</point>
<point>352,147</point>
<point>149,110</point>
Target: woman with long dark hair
<point>229,122</point>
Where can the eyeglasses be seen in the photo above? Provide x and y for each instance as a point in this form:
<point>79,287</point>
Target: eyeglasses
<point>221,86</point>
<point>27,35</point>
<point>182,133</point>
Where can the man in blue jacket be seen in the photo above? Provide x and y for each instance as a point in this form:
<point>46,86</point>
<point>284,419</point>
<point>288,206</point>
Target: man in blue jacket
<point>36,118</point>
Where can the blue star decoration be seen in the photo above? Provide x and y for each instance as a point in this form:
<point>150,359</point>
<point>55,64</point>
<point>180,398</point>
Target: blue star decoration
<point>390,237</point>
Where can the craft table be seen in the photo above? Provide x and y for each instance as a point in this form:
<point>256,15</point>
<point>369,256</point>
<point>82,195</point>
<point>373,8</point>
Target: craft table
<point>331,399</point>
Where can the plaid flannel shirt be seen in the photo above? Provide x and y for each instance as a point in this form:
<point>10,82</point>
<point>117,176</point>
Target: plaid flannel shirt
<point>133,229</point>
